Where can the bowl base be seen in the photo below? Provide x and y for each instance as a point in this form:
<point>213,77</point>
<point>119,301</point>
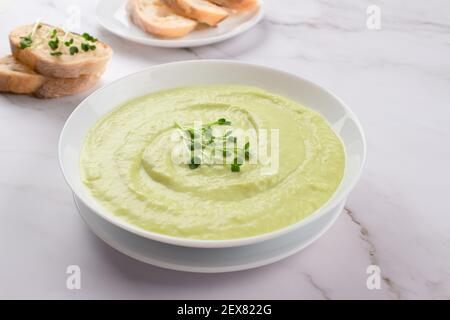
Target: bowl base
<point>206,260</point>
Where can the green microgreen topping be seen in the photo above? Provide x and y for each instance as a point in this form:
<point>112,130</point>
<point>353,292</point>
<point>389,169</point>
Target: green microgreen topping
<point>54,43</point>
<point>56,53</point>
<point>73,50</point>
<point>86,36</point>
<point>25,42</point>
<point>53,33</point>
<point>68,43</point>
<point>195,163</point>
<point>204,134</point>
<point>223,122</point>
<point>247,151</point>
<point>235,167</point>
<point>86,47</point>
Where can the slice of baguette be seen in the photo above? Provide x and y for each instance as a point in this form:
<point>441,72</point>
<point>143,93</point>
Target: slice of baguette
<point>237,4</point>
<point>156,18</point>
<point>38,56</point>
<point>18,78</point>
<point>15,77</point>
<point>200,10</point>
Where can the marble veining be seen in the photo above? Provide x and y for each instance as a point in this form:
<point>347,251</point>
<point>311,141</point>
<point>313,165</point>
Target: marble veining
<point>397,80</point>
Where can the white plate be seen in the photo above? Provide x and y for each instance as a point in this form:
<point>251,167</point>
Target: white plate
<point>205,260</point>
<point>204,72</point>
<point>113,16</point>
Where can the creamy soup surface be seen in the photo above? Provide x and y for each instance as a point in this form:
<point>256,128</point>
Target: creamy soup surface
<point>127,163</point>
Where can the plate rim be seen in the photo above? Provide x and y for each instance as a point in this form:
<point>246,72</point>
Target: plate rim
<point>180,42</point>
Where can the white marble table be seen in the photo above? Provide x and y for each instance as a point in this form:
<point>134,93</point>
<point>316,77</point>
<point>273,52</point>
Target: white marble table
<point>396,79</point>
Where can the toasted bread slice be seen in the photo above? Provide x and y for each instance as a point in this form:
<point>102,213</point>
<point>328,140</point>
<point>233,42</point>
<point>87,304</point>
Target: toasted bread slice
<point>15,77</point>
<point>200,10</point>
<point>238,4</point>
<point>18,78</point>
<point>154,17</point>
<point>38,55</point>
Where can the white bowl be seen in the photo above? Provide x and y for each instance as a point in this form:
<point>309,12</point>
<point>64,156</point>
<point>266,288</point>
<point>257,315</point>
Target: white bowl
<point>198,72</point>
<point>112,15</point>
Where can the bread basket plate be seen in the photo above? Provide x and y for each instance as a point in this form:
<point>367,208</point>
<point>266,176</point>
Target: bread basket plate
<point>113,16</point>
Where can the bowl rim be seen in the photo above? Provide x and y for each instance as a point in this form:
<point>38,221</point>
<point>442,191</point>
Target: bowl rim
<point>235,242</point>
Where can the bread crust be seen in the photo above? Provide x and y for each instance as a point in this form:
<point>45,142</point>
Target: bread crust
<point>163,27</point>
<point>54,87</point>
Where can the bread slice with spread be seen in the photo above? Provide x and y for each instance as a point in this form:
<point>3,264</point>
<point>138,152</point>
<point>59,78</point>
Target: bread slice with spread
<point>55,53</point>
